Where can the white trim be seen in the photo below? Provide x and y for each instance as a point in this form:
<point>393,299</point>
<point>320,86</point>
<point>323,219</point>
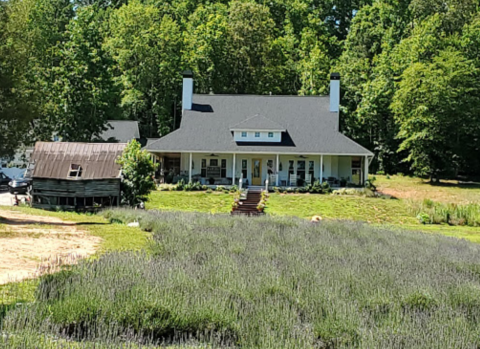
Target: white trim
<point>277,169</point>
<point>321,169</point>
<point>190,169</point>
<point>233,168</point>
<point>256,130</point>
<point>255,152</point>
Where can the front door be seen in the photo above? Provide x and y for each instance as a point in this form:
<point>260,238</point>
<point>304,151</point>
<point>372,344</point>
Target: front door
<point>257,172</point>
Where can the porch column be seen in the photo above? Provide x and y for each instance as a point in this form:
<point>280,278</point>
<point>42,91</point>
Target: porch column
<point>321,169</point>
<point>366,170</point>
<point>277,169</point>
<point>233,168</point>
<point>190,169</point>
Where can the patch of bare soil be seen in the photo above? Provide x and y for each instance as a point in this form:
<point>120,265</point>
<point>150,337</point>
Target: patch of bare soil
<point>34,245</point>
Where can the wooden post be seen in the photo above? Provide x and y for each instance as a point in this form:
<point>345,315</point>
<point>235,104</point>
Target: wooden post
<point>190,169</point>
<point>277,169</point>
<point>233,169</point>
<point>321,169</point>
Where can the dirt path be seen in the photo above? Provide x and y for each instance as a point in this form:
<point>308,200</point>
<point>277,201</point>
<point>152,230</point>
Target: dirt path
<point>33,245</point>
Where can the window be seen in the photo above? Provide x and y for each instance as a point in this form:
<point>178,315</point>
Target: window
<point>270,134</point>
<point>75,171</point>
<point>356,162</point>
<point>244,134</point>
<point>311,169</point>
<point>291,168</point>
<point>257,134</point>
<point>213,162</point>
<point>244,168</point>
<point>223,172</point>
<point>203,172</point>
<point>301,169</point>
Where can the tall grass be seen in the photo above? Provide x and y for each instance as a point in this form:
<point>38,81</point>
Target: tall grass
<point>430,212</point>
<point>236,282</point>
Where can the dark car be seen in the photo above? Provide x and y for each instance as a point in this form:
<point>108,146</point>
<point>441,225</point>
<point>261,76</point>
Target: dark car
<point>4,179</point>
<point>21,184</point>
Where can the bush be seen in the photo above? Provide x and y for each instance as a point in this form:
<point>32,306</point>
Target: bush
<point>380,173</point>
<point>137,174</point>
<point>209,191</point>
<point>430,212</point>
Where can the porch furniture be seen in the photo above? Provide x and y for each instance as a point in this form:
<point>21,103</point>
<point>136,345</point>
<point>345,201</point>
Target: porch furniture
<point>272,180</point>
<point>293,180</point>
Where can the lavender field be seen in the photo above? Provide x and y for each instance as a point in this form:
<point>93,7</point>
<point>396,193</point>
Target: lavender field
<point>211,281</point>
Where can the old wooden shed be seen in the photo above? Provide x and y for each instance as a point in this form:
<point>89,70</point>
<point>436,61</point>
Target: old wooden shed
<point>76,176</point>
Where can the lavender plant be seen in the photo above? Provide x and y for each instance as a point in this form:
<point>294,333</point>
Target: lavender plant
<point>237,282</point>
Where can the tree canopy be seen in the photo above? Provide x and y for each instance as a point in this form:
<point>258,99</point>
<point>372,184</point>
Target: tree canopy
<point>409,69</point>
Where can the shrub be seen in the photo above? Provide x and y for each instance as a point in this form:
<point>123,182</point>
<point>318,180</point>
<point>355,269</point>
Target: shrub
<point>380,173</point>
<point>430,212</point>
<point>220,188</point>
<point>137,174</point>
<point>209,191</point>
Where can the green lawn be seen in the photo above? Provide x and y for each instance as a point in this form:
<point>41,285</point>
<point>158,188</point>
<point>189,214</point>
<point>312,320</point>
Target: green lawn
<point>388,212</point>
<point>404,187</point>
<point>216,202</point>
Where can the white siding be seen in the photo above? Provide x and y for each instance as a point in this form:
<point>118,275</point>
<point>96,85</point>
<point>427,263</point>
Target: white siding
<point>237,135</point>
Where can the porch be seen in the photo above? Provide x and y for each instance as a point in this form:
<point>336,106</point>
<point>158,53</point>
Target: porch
<point>281,170</point>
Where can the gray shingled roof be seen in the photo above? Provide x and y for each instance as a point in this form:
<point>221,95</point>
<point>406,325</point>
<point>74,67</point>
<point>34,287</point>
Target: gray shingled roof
<point>258,123</point>
<point>310,127</point>
<point>122,130</point>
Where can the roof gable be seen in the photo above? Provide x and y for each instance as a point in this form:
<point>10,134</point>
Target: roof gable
<point>257,123</point>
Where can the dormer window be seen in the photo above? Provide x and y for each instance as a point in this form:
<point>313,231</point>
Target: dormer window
<point>257,129</point>
<point>75,171</point>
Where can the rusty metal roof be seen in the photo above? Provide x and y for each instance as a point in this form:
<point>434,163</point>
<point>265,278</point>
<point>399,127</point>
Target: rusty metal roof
<point>53,159</point>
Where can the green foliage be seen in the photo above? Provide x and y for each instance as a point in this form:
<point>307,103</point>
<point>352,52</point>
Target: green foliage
<point>137,174</point>
<point>430,212</point>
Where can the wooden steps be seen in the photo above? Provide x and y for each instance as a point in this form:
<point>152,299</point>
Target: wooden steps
<point>248,207</point>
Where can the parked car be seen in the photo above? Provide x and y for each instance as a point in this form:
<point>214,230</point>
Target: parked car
<point>22,184</point>
<point>4,179</point>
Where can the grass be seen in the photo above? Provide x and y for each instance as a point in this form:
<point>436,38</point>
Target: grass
<point>404,187</point>
<point>115,237</point>
<point>215,202</point>
<point>371,210</point>
<point>268,282</point>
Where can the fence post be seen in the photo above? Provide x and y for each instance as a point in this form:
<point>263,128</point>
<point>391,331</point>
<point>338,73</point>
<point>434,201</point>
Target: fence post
<point>240,183</point>
<point>266,185</point>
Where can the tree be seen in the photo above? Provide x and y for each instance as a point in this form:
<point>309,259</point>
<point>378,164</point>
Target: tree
<point>16,110</point>
<point>146,48</point>
<point>84,91</point>
<point>435,107</point>
<point>137,174</point>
